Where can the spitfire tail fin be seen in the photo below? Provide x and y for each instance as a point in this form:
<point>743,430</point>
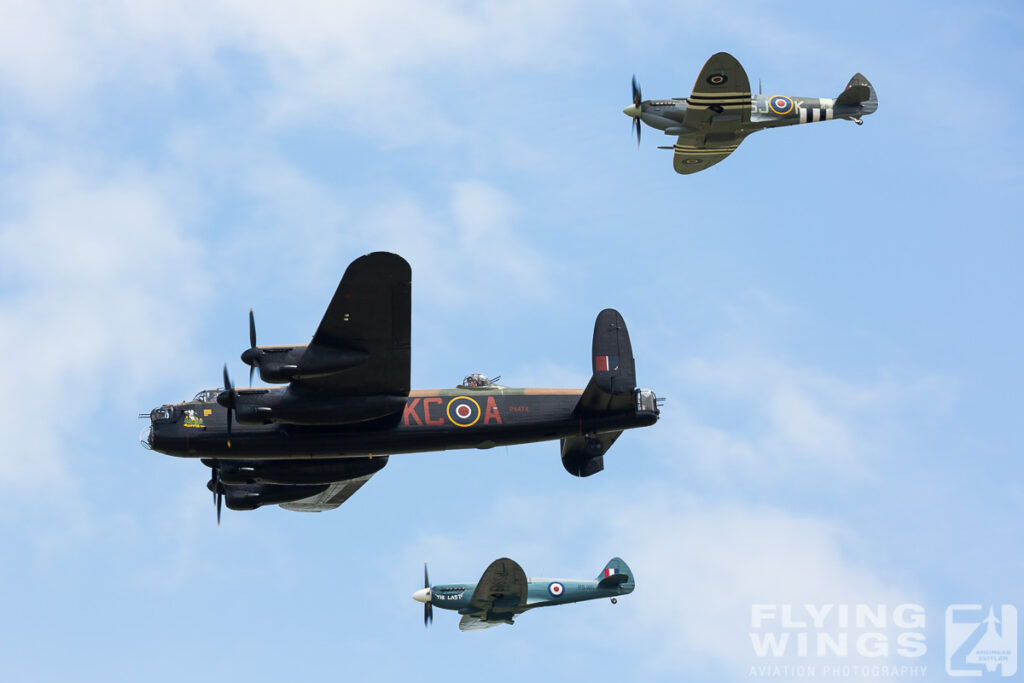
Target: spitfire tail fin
<point>859,93</point>
<point>616,573</point>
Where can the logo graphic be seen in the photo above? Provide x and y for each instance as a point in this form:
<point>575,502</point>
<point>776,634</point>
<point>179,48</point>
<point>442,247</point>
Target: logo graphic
<point>981,641</point>
<point>555,588</point>
<point>610,571</point>
<point>463,411</point>
<point>193,420</point>
<point>780,105</point>
<point>606,363</point>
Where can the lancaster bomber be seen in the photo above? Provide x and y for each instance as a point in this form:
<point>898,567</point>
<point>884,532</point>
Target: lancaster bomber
<point>721,111</point>
<point>504,592</point>
<point>345,406</point>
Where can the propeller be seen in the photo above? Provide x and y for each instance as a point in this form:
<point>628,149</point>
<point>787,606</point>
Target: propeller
<point>637,109</point>
<point>218,492</point>
<point>428,607</point>
<point>229,399</point>
<point>251,355</point>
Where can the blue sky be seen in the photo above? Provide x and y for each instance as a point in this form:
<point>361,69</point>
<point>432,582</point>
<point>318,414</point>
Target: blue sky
<point>833,314</point>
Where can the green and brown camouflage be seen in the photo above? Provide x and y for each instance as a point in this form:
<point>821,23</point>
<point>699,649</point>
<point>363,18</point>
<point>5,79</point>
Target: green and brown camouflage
<point>310,444</point>
<point>721,111</point>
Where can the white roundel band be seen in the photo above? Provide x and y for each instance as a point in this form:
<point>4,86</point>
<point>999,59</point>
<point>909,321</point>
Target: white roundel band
<point>555,588</point>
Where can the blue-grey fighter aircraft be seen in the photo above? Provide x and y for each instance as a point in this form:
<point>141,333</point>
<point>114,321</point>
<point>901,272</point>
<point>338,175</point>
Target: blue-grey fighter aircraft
<point>721,111</point>
<point>504,592</point>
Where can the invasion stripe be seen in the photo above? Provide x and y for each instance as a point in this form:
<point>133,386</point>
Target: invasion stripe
<point>715,93</point>
<point>709,105</point>
<point>745,103</point>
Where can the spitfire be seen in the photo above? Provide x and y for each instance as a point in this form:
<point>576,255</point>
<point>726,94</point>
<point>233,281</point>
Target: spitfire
<point>721,111</point>
<point>347,405</point>
<point>504,592</point>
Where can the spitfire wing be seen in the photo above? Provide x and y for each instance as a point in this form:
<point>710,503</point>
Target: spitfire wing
<point>695,152</point>
<point>333,496</point>
<point>502,588</point>
<point>720,97</point>
<point>369,315</point>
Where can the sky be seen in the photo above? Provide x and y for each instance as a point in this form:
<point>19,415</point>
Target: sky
<point>832,313</point>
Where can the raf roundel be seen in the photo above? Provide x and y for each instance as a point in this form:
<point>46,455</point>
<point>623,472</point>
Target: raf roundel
<point>463,411</point>
<point>780,105</point>
<point>556,588</point>
<point>717,79</point>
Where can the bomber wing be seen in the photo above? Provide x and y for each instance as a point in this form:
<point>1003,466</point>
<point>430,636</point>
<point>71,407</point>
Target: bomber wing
<point>720,97</point>
<point>500,592</point>
<point>332,497</point>
<point>368,318</point>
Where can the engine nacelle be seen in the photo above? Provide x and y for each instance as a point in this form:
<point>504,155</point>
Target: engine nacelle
<point>280,364</point>
<point>262,406</point>
<point>291,472</point>
<point>582,458</point>
<point>252,496</point>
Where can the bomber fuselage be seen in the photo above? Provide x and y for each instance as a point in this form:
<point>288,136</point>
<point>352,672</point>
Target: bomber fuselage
<point>429,420</point>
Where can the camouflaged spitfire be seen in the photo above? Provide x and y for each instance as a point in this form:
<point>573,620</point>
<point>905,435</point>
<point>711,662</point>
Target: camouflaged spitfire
<point>721,111</point>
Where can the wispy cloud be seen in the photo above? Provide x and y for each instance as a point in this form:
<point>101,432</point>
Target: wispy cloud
<point>101,281</point>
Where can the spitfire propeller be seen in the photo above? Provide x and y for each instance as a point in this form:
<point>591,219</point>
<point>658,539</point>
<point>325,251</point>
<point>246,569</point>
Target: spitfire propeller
<point>635,109</point>
<point>428,607</point>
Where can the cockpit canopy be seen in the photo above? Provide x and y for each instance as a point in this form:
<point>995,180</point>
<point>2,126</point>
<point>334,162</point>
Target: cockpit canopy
<point>207,396</point>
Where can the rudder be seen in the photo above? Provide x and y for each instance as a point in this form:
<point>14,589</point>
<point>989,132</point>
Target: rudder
<point>616,573</point>
<point>858,93</point>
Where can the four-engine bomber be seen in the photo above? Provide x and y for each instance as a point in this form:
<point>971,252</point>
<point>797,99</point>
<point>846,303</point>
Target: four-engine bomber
<point>347,406</point>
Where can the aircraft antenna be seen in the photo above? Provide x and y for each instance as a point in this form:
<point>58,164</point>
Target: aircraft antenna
<point>759,86</point>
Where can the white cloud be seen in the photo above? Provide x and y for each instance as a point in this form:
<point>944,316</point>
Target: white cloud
<point>363,63</point>
<point>762,419</point>
<point>101,287</point>
<point>699,566</point>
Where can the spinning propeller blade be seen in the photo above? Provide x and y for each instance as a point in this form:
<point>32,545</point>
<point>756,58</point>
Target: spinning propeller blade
<point>251,356</point>
<point>228,399</point>
<point>428,608</point>
<point>218,492</point>
<point>637,104</point>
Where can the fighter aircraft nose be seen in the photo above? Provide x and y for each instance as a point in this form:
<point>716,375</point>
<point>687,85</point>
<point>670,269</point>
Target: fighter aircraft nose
<point>632,110</point>
<point>422,595</point>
